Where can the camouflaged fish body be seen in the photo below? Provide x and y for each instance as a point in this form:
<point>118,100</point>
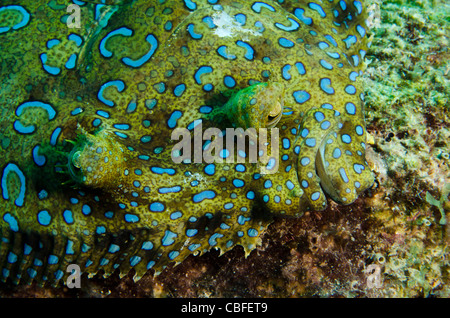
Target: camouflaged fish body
<point>89,175</point>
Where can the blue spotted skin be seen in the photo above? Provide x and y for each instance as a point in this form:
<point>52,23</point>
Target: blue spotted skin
<point>90,178</point>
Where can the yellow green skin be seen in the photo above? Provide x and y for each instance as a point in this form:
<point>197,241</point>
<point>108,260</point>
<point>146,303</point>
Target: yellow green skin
<point>150,69</point>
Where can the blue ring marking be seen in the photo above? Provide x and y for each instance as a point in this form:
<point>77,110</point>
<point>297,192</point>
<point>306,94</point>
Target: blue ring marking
<point>222,51</point>
<point>285,72</point>
<point>240,168</point>
<point>210,169</point>
<point>38,159</point>
<point>240,18</point>
<point>72,61</point>
<point>315,196</point>
<point>121,135</point>
<point>353,75</point>
<point>11,167</point>
<point>289,185</point>
<point>131,106</point>
<point>103,113</point>
<point>350,89</point>
<point>168,26</point>
<point>323,45</point>
<point>249,55</point>
<point>310,142</point>
<point>131,218</point>
<point>169,238</point>
<point>160,170</point>
<point>350,40</point>
<point>172,122</point>
<point>305,184</point>
<point>293,27</point>
<point>44,218</point>
<point>121,31</point>
<point>212,240</point>
<point>346,138</point>
<point>12,258</point>
<point>190,5</point>
<point>238,183</point>
<point>224,226</point>
<point>300,68</point>
<point>257,6</point>
<point>319,116</point>
<point>11,220</point>
<point>331,40</point>
<point>325,85</point>
<point>301,96</point>
<point>228,206</point>
<point>23,129</point>
<point>147,245</point>
<point>285,43</point>
<point>52,259</point>
<point>261,27</point>
<point>179,90</point>
<point>361,30</point>
<point>76,111</point>
<point>195,36</point>
<point>47,107</point>
<point>21,24</point>
<point>252,232</point>
<point>343,5</point>
<point>209,22</point>
<point>305,161</point>
<point>76,38</point>
<point>304,133</point>
<point>242,219</point>
<point>96,122</point>
<point>53,70</point>
<point>337,153</point>
<point>55,135</point>
<point>157,207</point>
<point>205,109</point>
<point>343,175</point>
<point>358,6</point>
<point>325,125</point>
<point>299,14</point>
<point>267,184</point>
<point>358,168</point>
<point>355,60</point>
<point>229,81</point>
<point>52,43</point>
<point>333,55</point>
<point>326,65</point>
<point>191,232</point>
<point>286,143</point>
<point>69,247</point>
<point>151,39</point>
<point>359,130</point>
<point>207,194</point>
<point>176,215</point>
<point>317,8</point>
<point>250,195</point>
<point>68,216</point>
<point>86,209</point>
<point>120,85</point>
<point>202,70</point>
<point>134,260</point>
<point>173,189</point>
<point>350,108</point>
<point>173,254</point>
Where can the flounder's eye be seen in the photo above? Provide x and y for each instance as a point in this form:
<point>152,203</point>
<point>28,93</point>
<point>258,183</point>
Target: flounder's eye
<point>274,115</point>
<point>74,165</point>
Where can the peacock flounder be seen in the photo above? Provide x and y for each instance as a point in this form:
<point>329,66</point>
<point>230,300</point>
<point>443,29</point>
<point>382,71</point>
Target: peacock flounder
<point>89,175</point>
